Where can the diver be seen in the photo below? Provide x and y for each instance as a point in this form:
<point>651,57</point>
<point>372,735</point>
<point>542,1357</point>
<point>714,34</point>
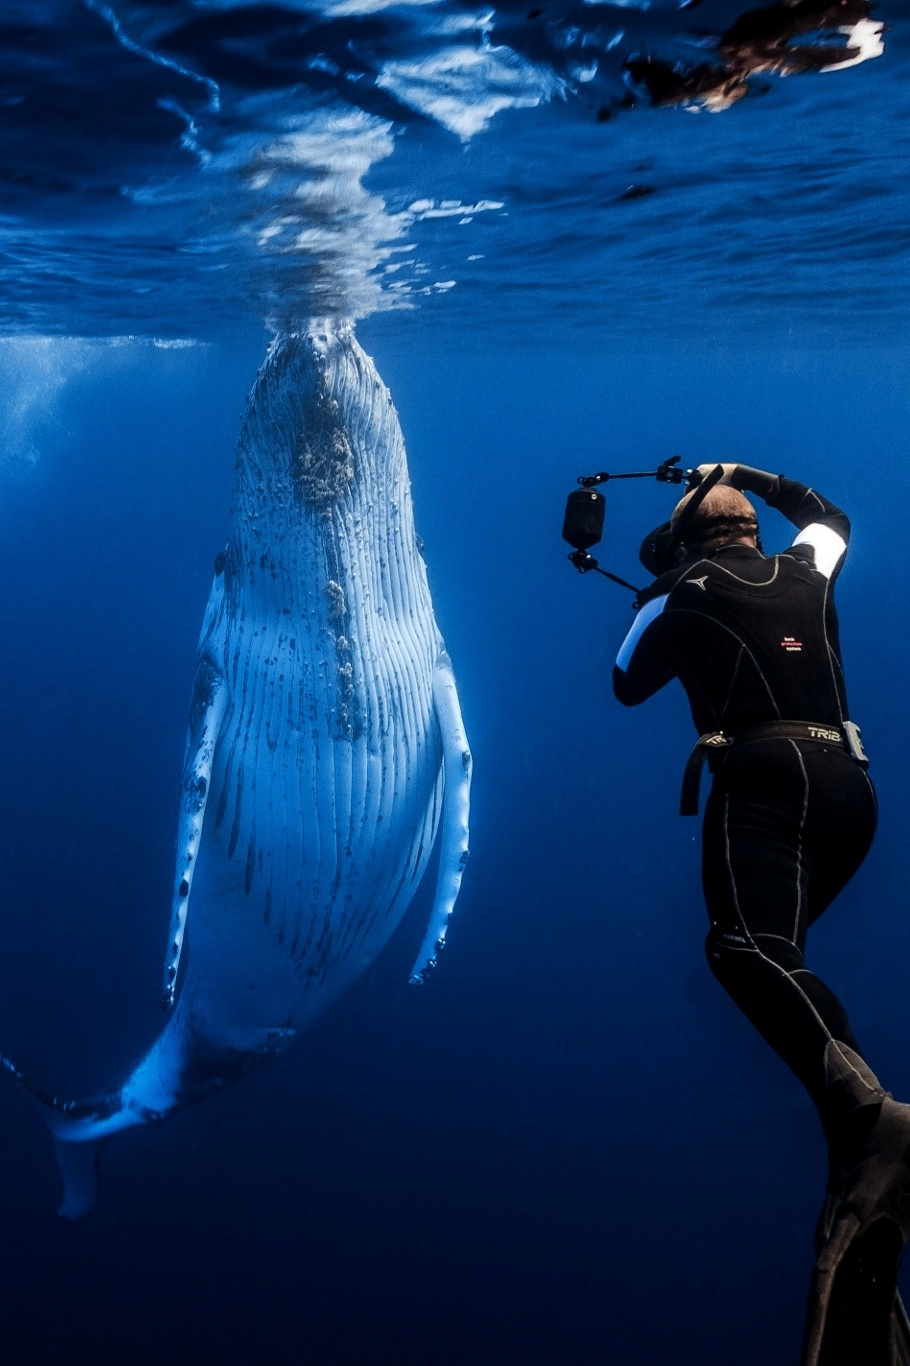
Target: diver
<point>790,818</point>
<point>789,37</point>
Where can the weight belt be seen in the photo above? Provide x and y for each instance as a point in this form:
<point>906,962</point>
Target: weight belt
<point>716,741</point>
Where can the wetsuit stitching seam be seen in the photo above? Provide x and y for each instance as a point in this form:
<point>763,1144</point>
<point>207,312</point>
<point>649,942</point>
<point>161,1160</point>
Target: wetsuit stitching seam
<point>855,1070</point>
<point>692,611</point>
<point>768,688</point>
<point>750,583</point>
<point>739,659</point>
<point>840,709</point>
<point>747,933</point>
<point>799,839</point>
<point>783,939</point>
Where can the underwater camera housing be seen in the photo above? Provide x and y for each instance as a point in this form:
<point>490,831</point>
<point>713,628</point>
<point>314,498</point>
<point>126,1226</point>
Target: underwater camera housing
<point>583,522</point>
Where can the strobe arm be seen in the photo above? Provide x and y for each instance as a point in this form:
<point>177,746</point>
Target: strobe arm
<point>584,516</point>
<point>586,564</point>
<point>668,472</point>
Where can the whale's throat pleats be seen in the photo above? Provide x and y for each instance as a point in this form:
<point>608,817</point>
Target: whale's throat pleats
<point>326,784</point>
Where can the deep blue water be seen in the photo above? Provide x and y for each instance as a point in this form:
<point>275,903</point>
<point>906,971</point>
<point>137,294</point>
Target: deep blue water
<point>568,1147</point>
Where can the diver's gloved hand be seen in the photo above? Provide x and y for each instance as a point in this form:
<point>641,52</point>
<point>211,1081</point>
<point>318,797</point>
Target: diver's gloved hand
<point>726,478</point>
<point>745,478</point>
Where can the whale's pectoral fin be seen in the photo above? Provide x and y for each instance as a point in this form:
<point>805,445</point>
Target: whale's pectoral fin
<point>456,807</point>
<point>209,705</point>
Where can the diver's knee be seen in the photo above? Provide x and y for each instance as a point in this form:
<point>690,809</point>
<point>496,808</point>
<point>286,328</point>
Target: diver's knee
<point>720,949</point>
<point>719,945</point>
<point>726,951</point>
<point>730,956</point>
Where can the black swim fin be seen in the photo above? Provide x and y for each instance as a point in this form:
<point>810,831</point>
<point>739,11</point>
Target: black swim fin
<point>855,1315</point>
<point>900,1334</point>
<point>852,1301</point>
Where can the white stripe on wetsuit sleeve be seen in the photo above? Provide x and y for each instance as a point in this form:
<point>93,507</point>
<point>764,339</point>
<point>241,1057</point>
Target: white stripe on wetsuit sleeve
<point>648,613</point>
<point>828,546</point>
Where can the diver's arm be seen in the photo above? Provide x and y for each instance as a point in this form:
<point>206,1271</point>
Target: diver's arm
<point>644,664</point>
<point>822,525</point>
<point>797,502</point>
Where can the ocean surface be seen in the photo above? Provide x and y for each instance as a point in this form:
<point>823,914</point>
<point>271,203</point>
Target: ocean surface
<point>573,238</point>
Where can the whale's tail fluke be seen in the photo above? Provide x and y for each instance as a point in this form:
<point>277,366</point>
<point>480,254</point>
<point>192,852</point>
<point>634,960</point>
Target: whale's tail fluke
<point>158,1085</point>
<point>78,1130</point>
<point>78,1164</point>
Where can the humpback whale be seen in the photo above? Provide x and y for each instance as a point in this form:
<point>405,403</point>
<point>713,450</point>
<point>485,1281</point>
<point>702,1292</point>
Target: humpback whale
<point>325,750</point>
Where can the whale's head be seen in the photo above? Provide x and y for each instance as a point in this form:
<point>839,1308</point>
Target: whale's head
<point>322,488</point>
<point>319,428</point>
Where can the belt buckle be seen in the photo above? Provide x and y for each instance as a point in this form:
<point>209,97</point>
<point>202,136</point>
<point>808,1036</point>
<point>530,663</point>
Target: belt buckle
<point>854,744</point>
<point>715,739</point>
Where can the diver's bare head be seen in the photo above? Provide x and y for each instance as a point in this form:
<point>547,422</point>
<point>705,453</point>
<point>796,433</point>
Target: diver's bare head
<point>724,517</point>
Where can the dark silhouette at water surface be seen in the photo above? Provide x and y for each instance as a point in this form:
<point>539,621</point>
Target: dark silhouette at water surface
<point>777,40</point>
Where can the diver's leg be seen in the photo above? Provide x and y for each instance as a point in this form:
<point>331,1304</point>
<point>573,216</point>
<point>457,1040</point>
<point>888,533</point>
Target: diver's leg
<point>840,823</point>
<point>765,844</point>
<point>775,822</point>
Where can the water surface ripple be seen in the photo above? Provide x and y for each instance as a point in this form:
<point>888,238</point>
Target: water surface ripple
<point>180,168</point>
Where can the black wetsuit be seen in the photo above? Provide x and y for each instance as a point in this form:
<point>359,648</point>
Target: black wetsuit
<point>754,639</point>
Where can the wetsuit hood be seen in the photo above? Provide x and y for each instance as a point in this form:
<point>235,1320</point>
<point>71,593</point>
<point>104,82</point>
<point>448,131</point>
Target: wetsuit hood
<point>657,548</point>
